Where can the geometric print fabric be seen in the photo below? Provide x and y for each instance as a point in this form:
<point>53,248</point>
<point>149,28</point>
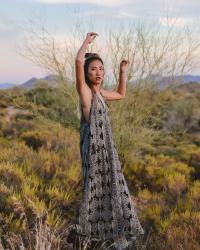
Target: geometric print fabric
<point>106,211</point>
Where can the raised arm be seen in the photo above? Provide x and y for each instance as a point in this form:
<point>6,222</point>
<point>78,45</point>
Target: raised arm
<point>121,91</point>
<point>83,89</point>
<point>79,63</point>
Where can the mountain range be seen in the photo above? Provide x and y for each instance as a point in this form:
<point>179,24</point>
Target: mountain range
<point>7,85</point>
<point>52,81</point>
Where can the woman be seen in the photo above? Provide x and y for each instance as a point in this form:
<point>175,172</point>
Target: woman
<point>106,212</point>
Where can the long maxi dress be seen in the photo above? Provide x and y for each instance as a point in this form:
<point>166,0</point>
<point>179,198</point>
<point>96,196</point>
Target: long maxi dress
<point>106,211</point>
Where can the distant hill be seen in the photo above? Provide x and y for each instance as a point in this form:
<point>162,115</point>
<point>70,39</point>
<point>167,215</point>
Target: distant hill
<point>51,79</point>
<point>165,81</point>
<point>191,78</point>
<point>192,87</point>
<point>6,85</point>
<point>178,80</point>
<point>162,81</point>
<point>29,83</point>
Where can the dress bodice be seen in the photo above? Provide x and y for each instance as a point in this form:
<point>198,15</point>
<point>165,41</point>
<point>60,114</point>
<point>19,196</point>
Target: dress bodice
<point>95,97</point>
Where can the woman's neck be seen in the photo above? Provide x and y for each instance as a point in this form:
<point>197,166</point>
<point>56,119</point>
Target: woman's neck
<point>96,89</point>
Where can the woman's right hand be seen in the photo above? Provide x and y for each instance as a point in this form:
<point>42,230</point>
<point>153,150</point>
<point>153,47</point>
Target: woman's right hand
<point>91,36</point>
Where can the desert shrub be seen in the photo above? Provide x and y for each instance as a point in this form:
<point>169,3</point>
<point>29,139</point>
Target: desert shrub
<point>133,121</point>
<point>153,206</point>
<point>175,183</point>
<point>11,175</point>
<point>194,161</point>
<point>47,232</point>
<point>52,136</point>
<point>12,125</point>
<point>3,103</point>
<point>32,139</point>
<point>46,164</point>
<point>4,194</point>
<point>6,128</point>
<point>175,231</point>
<point>58,108</point>
<point>150,198</point>
<point>152,217</point>
<point>17,153</point>
<point>193,196</point>
<point>184,151</point>
<point>5,142</point>
<point>179,116</point>
<point>59,198</point>
<point>159,170</point>
<point>5,98</point>
<point>133,170</point>
<point>183,230</point>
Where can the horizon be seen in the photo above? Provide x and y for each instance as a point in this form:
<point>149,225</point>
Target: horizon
<point>41,78</point>
<point>62,15</point>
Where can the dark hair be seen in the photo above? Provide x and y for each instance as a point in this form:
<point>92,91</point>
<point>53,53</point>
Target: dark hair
<point>90,57</point>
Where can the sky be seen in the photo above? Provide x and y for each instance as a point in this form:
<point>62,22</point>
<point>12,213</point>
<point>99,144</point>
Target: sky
<point>60,16</point>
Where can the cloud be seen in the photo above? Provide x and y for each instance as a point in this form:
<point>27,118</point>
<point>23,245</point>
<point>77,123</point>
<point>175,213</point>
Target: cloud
<point>98,2</point>
<point>91,13</point>
<point>123,14</point>
<point>176,22</point>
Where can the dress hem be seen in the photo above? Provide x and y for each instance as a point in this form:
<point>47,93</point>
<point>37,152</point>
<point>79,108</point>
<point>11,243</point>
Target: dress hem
<point>76,236</point>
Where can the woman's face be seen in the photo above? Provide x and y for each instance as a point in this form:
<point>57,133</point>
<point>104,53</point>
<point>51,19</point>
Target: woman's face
<point>96,72</point>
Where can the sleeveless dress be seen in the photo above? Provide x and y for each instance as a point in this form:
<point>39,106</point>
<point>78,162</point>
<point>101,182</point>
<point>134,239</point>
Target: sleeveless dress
<point>106,212</point>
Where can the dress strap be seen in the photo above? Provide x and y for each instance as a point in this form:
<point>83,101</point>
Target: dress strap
<point>102,99</point>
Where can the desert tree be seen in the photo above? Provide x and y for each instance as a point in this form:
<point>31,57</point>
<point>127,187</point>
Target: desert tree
<point>154,50</point>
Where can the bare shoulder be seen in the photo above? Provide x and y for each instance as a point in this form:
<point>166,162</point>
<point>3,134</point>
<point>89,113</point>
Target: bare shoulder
<point>111,95</point>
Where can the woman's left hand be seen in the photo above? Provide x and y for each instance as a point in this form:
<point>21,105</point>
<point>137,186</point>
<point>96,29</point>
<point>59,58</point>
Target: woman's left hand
<point>123,65</point>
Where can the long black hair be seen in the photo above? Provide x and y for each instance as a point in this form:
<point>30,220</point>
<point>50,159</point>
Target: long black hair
<point>90,57</point>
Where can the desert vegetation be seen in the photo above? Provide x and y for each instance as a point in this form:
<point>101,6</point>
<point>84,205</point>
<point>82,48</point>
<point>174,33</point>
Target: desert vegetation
<point>157,135</point>
<point>40,168</point>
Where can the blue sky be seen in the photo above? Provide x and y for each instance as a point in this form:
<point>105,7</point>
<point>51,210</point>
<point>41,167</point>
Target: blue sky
<point>60,16</point>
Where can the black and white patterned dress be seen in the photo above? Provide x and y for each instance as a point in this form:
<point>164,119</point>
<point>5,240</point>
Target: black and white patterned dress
<point>106,211</point>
